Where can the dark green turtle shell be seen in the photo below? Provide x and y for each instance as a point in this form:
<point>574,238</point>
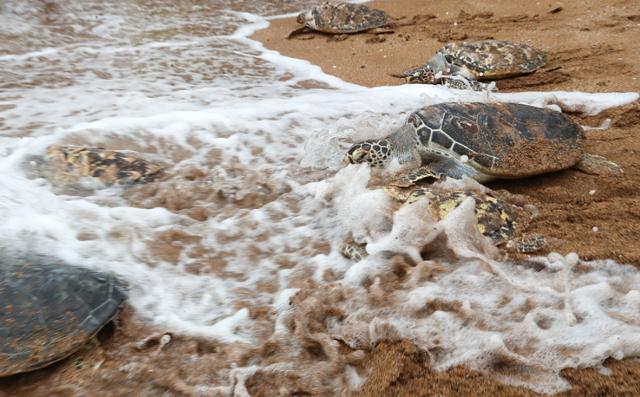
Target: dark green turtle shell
<point>507,140</point>
<point>48,310</point>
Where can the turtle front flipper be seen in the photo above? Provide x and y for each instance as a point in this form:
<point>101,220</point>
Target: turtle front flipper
<point>354,251</point>
<point>463,83</point>
<point>597,165</point>
<point>421,175</point>
<point>300,30</point>
<point>528,244</point>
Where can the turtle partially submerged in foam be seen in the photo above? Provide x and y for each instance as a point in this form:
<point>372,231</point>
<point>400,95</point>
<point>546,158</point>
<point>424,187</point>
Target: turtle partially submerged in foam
<point>49,310</point>
<point>341,18</point>
<point>484,141</point>
<point>68,164</point>
<point>477,61</point>
<point>500,220</point>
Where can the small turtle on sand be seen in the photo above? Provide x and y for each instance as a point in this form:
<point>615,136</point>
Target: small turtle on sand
<point>65,164</point>
<point>477,61</point>
<point>341,18</point>
<point>484,141</point>
<point>49,310</point>
<point>498,219</point>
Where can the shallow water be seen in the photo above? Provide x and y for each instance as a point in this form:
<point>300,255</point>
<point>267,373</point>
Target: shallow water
<point>253,213</point>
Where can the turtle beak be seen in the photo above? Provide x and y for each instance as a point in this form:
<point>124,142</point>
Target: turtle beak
<point>346,160</point>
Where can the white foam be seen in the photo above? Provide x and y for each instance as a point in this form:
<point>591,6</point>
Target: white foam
<point>490,311</point>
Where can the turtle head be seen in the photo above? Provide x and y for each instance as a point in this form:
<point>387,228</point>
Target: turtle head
<point>421,75</point>
<point>312,17</point>
<point>434,70</point>
<point>302,17</point>
<point>376,152</point>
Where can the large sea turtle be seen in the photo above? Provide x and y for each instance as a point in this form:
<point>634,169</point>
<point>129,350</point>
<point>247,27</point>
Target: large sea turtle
<point>341,18</point>
<point>48,310</point>
<point>477,61</point>
<point>500,220</point>
<point>484,141</point>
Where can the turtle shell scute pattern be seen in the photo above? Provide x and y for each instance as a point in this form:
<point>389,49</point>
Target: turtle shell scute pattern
<point>494,59</point>
<point>497,219</point>
<point>48,310</point>
<point>347,18</point>
<point>110,166</point>
<point>495,135</point>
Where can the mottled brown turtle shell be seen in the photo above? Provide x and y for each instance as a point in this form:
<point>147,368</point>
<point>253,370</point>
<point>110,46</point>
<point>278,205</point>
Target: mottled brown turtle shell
<point>109,166</point>
<point>497,218</point>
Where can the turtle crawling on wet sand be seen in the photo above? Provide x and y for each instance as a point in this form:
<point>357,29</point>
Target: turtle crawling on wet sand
<point>477,61</point>
<point>63,164</point>
<point>501,221</point>
<point>49,310</point>
<point>484,141</point>
<point>341,18</point>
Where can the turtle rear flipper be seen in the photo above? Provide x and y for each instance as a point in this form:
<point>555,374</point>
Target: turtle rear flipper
<point>597,165</point>
<point>383,30</point>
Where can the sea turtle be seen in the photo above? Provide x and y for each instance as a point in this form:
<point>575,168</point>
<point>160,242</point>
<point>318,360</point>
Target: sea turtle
<point>484,141</point>
<point>341,18</point>
<point>477,61</point>
<point>500,220</point>
<point>49,310</point>
<point>64,165</point>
